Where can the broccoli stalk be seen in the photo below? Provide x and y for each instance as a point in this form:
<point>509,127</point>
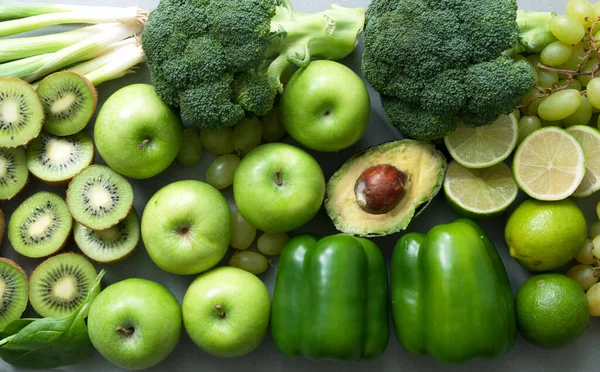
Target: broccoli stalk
<point>330,34</point>
<point>534,32</point>
<point>219,60</point>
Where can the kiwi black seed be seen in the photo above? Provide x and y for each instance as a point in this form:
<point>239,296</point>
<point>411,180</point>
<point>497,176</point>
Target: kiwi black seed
<point>60,284</point>
<point>99,198</point>
<point>13,291</point>
<point>69,101</point>
<point>40,226</point>
<point>112,244</point>
<point>13,171</point>
<point>56,160</point>
<point>21,112</point>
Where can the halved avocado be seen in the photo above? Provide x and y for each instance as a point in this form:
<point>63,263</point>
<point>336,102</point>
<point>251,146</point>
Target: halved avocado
<point>379,190</point>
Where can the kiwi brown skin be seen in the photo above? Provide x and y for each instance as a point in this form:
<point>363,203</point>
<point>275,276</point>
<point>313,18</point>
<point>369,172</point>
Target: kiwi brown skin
<point>94,93</point>
<point>14,264</point>
<point>2,228</point>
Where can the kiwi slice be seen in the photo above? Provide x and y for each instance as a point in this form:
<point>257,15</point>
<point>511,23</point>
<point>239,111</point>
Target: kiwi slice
<point>56,160</point>
<point>60,284</point>
<point>13,291</point>
<point>99,198</point>
<point>69,101</point>
<point>13,171</point>
<point>21,113</point>
<point>112,244</point>
<point>40,226</point>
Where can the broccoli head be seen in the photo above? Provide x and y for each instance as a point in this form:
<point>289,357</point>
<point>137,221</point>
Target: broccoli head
<point>219,60</point>
<point>437,63</point>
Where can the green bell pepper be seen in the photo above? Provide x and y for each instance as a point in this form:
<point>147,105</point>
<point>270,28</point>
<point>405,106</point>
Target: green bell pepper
<point>451,297</point>
<point>331,299</point>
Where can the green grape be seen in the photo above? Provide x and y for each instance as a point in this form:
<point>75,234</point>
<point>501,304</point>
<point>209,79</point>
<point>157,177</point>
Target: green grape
<point>567,29</point>
<point>572,84</point>
<point>594,230</point>
<point>580,9</point>
<point>582,116</point>
<point>593,297</point>
<point>250,261</point>
<point>221,171</point>
<point>585,275</point>
<point>556,53</point>
<point>272,244</point>
<point>247,134</point>
<point>534,60</point>
<point>532,101</point>
<point>191,148</point>
<point>551,123</point>
<point>242,233</point>
<point>593,92</point>
<point>596,10</point>
<point>546,78</point>
<point>517,113</point>
<point>587,67</point>
<point>217,141</point>
<point>527,125</point>
<point>596,247</point>
<point>272,128</point>
<point>586,253</point>
<point>559,105</point>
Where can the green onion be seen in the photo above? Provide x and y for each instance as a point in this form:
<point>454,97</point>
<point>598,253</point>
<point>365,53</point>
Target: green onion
<point>130,15</point>
<point>14,10</point>
<point>33,68</point>
<point>17,48</point>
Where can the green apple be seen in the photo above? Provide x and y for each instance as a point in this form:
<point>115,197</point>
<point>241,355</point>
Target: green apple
<point>186,227</point>
<point>325,106</point>
<point>135,323</point>
<point>226,311</point>
<point>278,187</point>
<point>136,133</point>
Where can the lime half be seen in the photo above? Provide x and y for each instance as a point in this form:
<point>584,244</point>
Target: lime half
<point>480,193</point>
<point>590,141</point>
<point>549,164</point>
<point>482,147</point>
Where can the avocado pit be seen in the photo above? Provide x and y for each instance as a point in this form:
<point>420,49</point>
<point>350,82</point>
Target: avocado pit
<point>380,188</point>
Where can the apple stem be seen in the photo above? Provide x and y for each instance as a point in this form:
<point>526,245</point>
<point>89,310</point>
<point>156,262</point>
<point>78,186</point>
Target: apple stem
<point>278,180</point>
<point>220,310</point>
<point>127,332</point>
<point>144,143</point>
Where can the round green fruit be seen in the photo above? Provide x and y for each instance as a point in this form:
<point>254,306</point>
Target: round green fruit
<point>137,133</point>
<point>186,227</point>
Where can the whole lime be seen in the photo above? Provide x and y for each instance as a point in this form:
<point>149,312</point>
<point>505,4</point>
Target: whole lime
<point>552,311</point>
<point>545,235</point>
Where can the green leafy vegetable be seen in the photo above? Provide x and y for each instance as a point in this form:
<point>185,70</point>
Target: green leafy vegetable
<point>48,342</point>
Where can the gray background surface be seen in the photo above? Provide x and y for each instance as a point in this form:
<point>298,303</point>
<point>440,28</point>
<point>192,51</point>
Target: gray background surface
<point>579,356</point>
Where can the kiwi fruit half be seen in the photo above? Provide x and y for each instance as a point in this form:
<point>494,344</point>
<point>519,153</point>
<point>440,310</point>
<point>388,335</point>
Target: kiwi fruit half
<point>40,226</point>
<point>13,171</point>
<point>21,112</point>
<point>69,101</point>
<point>99,198</point>
<point>56,160</point>
<point>60,284</point>
<point>13,291</point>
<point>112,244</point>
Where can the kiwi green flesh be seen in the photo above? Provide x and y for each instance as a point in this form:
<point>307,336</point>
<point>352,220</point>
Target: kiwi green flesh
<point>56,159</point>
<point>60,284</point>
<point>109,245</point>
<point>21,113</point>
<point>99,198</point>
<point>13,171</point>
<point>40,226</point>
<point>13,292</point>
<point>69,102</point>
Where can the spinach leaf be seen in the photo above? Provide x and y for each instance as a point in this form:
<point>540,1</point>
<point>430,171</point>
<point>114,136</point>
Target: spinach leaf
<point>48,342</point>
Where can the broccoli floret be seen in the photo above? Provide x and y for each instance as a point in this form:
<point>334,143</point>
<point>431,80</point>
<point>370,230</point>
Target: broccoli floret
<point>219,60</point>
<point>437,63</point>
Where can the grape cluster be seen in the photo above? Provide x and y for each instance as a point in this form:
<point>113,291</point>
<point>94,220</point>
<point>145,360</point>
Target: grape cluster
<point>567,90</point>
<point>587,271</point>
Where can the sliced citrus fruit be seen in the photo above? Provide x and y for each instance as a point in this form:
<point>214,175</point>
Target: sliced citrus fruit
<point>482,147</point>
<point>480,193</point>
<point>590,141</point>
<point>549,164</point>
